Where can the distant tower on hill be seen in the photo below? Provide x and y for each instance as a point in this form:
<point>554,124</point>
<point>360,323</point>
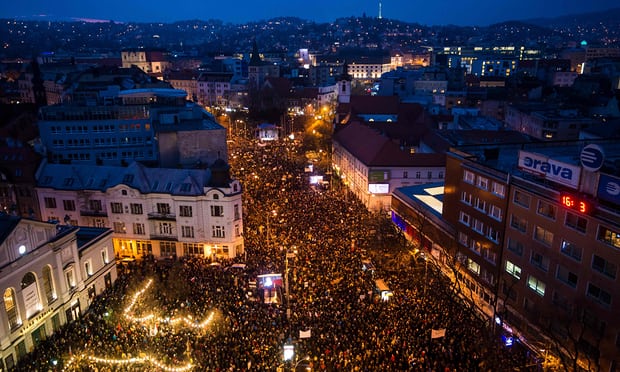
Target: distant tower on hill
<point>380,10</point>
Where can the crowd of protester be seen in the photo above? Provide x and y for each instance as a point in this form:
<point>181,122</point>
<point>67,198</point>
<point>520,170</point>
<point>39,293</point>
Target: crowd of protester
<point>317,240</point>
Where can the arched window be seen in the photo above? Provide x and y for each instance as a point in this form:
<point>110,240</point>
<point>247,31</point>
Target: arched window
<point>48,284</point>
<point>30,291</point>
<point>28,279</point>
<point>10,305</point>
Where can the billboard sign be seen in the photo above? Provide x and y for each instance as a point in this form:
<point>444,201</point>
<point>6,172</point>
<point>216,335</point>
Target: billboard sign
<point>553,170</point>
<point>592,157</point>
<point>609,188</point>
<point>379,188</point>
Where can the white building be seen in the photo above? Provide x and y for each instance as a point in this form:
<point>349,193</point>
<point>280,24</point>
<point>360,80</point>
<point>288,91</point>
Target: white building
<point>372,166</point>
<point>153,62</point>
<point>163,212</point>
<point>50,275</point>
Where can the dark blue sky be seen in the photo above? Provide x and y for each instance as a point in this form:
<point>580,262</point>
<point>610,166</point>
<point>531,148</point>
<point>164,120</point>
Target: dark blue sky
<point>429,12</point>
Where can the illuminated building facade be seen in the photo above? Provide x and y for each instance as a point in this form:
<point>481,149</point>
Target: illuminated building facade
<point>50,276</point>
<point>536,240</point>
<point>156,126</point>
<point>152,211</point>
<point>372,166</point>
<point>153,62</point>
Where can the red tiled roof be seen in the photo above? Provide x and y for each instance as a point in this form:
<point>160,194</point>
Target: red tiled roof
<point>374,149</point>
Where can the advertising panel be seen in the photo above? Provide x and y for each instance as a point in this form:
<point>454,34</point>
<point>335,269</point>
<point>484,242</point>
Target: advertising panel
<point>556,171</point>
<point>609,188</point>
<point>379,188</point>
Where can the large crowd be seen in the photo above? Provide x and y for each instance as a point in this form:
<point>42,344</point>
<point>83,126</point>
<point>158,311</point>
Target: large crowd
<point>321,237</point>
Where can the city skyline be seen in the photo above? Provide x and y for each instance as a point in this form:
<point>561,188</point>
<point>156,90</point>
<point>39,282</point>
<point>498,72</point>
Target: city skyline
<point>480,12</point>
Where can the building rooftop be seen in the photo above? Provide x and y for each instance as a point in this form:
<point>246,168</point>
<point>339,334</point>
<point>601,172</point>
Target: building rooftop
<point>87,235</point>
<point>429,196</point>
<point>374,149</point>
<point>188,182</point>
<point>504,156</point>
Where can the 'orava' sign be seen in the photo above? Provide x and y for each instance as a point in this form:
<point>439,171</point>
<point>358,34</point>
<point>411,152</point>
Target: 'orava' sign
<point>557,171</point>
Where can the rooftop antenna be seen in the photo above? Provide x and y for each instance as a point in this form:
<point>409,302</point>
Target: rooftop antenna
<point>380,10</point>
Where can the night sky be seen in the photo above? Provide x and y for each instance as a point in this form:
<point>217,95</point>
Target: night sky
<point>429,12</point>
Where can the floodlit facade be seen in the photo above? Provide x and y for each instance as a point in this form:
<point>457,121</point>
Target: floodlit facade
<point>535,240</point>
<point>155,126</point>
<point>372,166</point>
<point>50,276</point>
<point>152,211</point>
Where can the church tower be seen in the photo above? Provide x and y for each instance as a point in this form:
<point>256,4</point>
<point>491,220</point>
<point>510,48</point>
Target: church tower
<point>344,85</point>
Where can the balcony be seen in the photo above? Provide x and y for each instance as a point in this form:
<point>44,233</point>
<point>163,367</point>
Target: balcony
<point>93,213</point>
<point>162,216</point>
<point>166,237</point>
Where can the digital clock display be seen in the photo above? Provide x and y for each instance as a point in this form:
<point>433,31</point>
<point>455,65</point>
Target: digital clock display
<point>576,203</point>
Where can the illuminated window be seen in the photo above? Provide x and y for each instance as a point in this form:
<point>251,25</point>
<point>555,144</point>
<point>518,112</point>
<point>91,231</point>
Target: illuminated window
<point>70,279</point>
<point>167,249</point>
<point>609,236</point>
<point>473,266</point>
<point>48,284</point>
<point>536,285</point>
<point>193,249</point>
<point>513,269</point>
<point>88,268</point>
<point>10,306</point>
